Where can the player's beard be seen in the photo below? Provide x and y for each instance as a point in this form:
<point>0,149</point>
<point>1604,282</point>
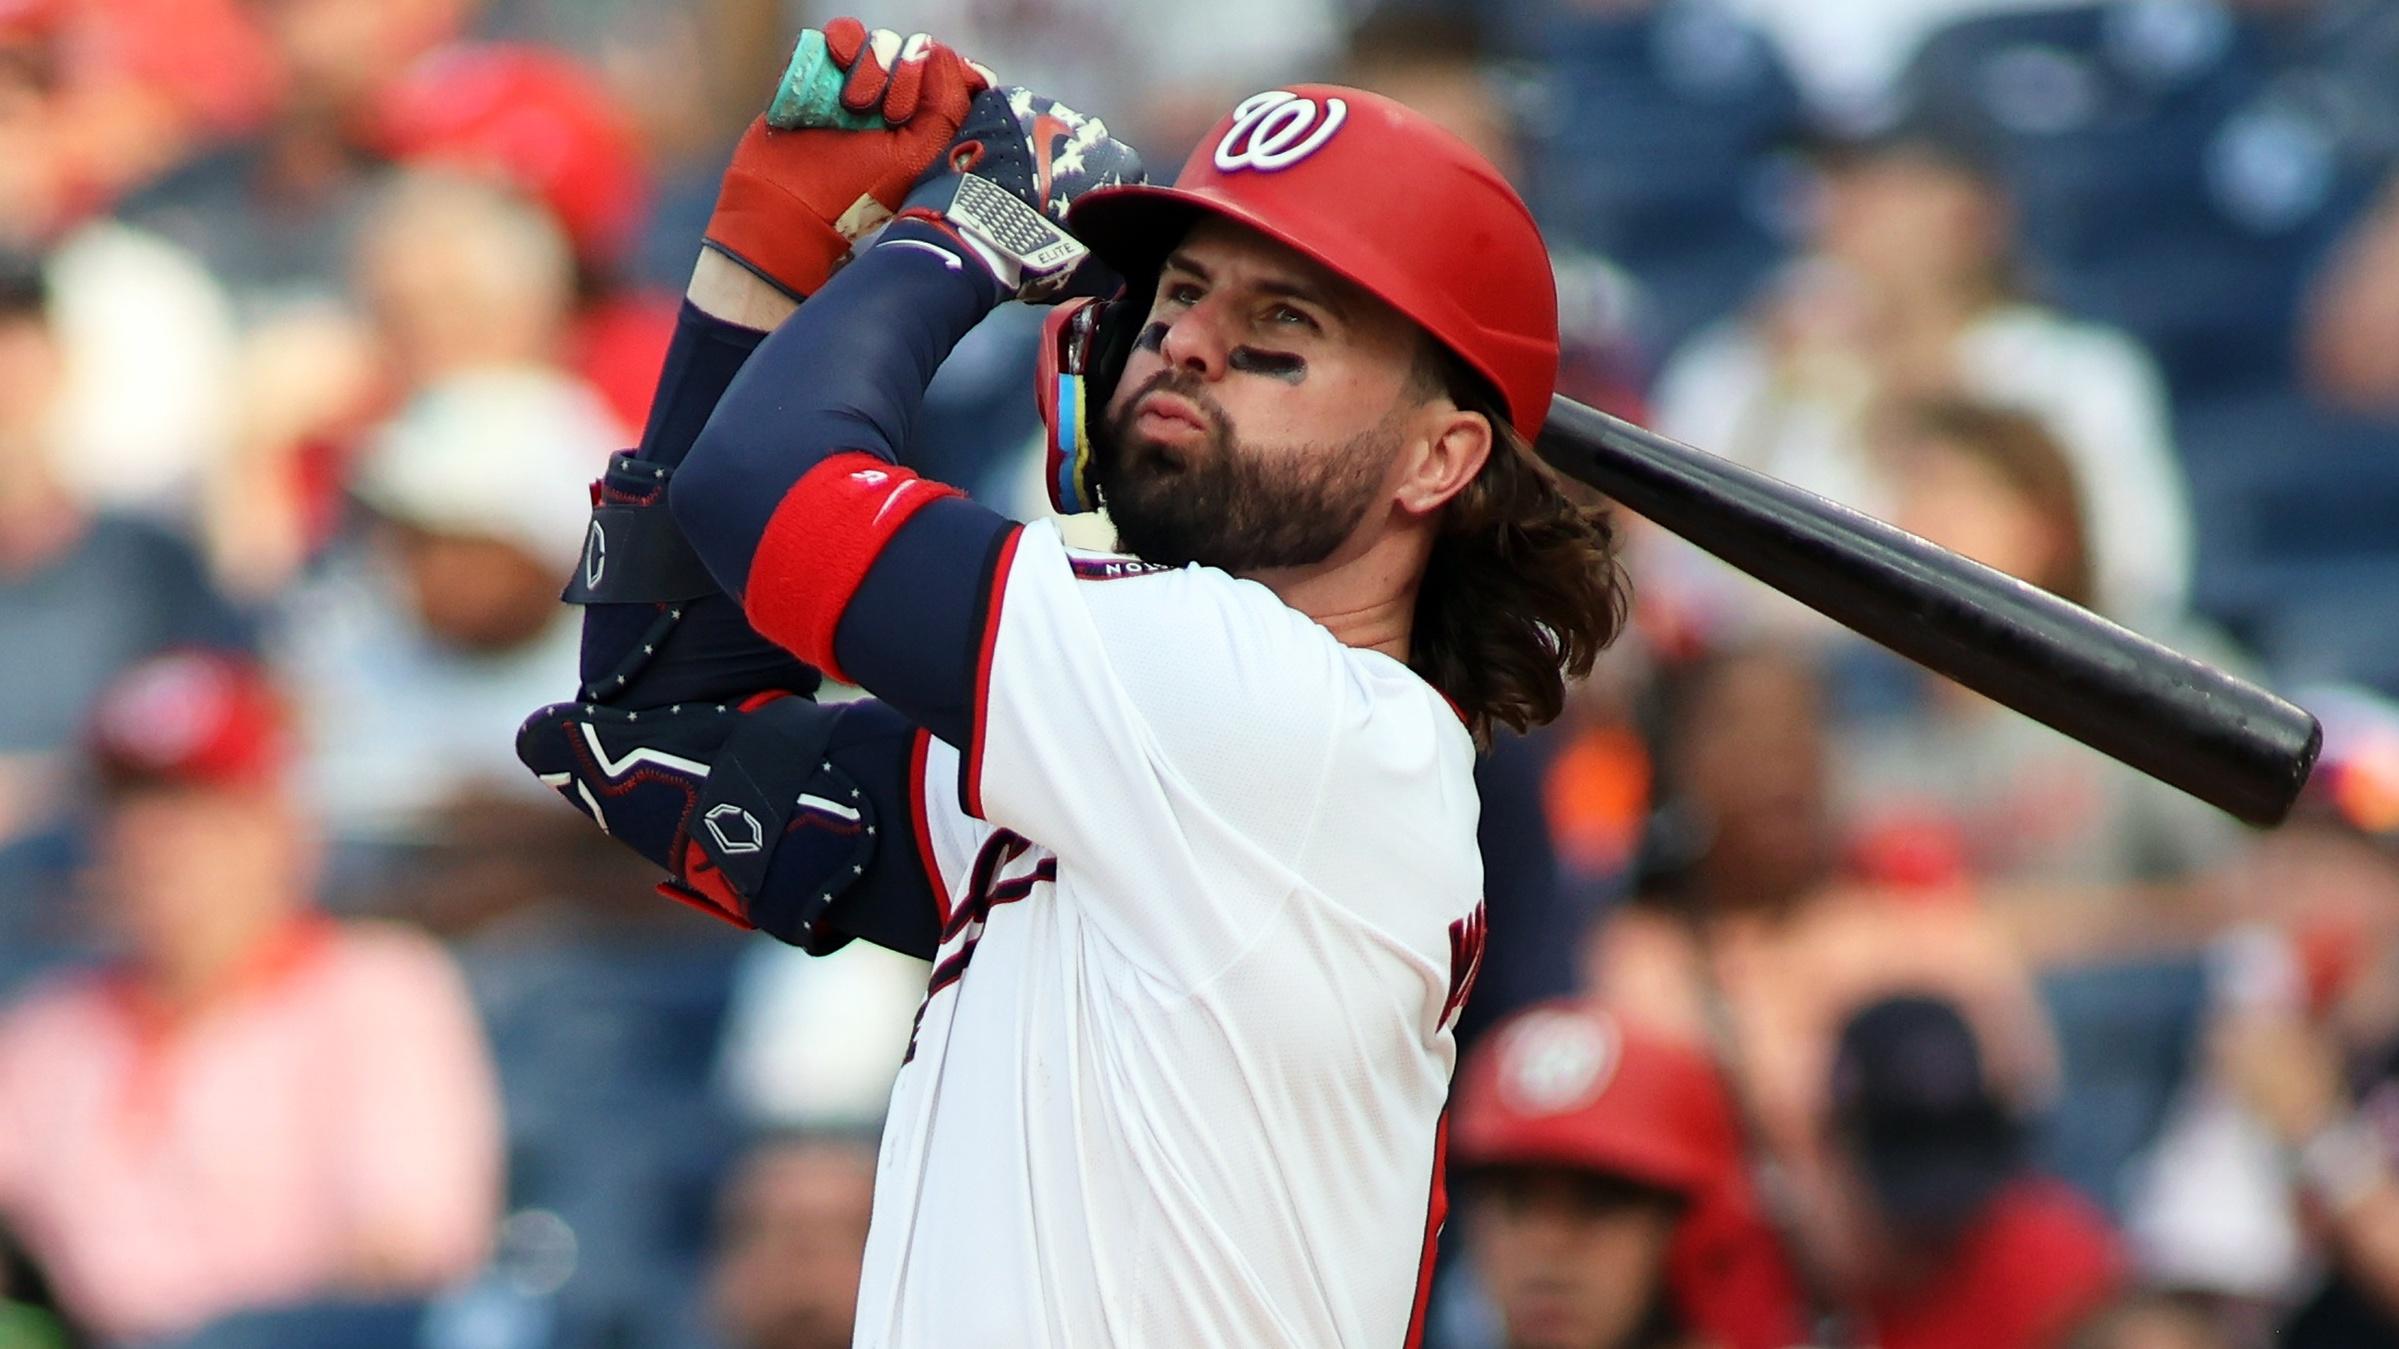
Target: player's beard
<point>1221,504</point>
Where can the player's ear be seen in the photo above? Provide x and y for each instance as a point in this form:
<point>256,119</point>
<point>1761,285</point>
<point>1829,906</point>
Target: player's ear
<point>1445,450</point>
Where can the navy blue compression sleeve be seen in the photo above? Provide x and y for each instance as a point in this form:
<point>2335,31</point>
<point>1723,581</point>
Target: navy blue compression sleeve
<point>847,371</point>
<point>795,502</point>
<point>710,655</point>
<point>701,361</point>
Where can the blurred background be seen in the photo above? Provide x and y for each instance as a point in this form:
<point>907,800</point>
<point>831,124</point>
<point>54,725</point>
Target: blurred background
<point>322,1024</point>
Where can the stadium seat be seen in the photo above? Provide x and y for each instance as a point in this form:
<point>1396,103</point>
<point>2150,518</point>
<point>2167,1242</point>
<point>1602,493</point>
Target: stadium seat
<point>2162,183</point>
<point>605,1050</point>
<point>361,1325</point>
<point>2126,1034</point>
<point>2100,114</point>
<point>1653,140</point>
<point>2298,514</point>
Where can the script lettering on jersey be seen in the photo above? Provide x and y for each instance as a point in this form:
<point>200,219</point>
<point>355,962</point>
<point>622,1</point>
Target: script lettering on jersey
<point>985,891</point>
<point>1466,938</point>
<point>1277,129</point>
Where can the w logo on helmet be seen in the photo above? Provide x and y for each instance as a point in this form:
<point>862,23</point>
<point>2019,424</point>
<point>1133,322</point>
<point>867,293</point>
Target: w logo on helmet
<point>1276,130</point>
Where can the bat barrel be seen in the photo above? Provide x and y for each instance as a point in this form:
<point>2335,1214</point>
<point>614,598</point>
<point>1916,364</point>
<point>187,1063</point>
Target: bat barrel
<point>2222,739</point>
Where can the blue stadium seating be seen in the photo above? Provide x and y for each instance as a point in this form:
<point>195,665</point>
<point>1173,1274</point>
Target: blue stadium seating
<point>361,1325</point>
<point>605,1050</point>
<point>1652,139</point>
<point>2126,1038</point>
<point>2100,120</point>
<point>2298,514</point>
<point>2161,183</point>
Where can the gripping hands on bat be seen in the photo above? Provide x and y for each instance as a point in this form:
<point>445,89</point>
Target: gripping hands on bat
<point>693,740</point>
<point>856,120</point>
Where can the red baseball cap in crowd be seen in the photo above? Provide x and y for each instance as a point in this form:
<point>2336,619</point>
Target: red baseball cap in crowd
<point>1569,1084</point>
<point>190,718</point>
<point>534,119</point>
<point>30,20</point>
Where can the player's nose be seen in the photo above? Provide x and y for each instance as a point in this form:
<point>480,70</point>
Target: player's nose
<point>1194,340</point>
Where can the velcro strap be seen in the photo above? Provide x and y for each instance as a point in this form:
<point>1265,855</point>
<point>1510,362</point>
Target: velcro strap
<point>772,788</point>
<point>633,552</point>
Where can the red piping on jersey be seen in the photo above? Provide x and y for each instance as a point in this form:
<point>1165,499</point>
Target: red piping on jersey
<point>819,544</point>
<point>971,782</point>
<point>1436,1211</point>
<point>924,832</point>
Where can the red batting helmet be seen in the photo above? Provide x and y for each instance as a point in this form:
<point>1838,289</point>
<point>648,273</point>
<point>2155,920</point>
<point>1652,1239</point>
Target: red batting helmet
<point>1372,190</point>
<point>1569,1085</point>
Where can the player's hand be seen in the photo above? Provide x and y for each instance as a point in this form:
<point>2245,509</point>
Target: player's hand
<point>1017,163</point>
<point>855,122</point>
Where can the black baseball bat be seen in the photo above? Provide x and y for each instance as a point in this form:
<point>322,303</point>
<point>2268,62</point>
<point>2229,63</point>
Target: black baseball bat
<point>2224,740</point>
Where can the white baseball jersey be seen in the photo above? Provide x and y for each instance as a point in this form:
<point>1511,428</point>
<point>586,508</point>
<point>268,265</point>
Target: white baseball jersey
<point>1180,1074</point>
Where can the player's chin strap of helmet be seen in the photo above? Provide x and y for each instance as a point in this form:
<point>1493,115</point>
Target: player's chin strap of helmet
<point>1084,344</point>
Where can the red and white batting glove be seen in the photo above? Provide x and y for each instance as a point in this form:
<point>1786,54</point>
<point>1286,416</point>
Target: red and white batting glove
<point>856,120</point>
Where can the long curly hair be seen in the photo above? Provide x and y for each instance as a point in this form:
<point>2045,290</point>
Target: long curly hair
<point>1523,588</point>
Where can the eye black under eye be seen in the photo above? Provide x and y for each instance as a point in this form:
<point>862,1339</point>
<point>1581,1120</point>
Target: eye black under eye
<point>1281,365</point>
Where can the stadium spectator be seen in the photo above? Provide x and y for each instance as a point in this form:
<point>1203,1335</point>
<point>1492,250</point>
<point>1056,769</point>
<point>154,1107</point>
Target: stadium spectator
<point>791,1240</point>
<point>418,649</point>
<point>1910,289</point>
<point>458,278</point>
<point>254,1105</point>
<point>97,96</point>
<point>82,593</point>
<point>2305,1045</point>
<point>370,84</point>
<point>1748,935</point>
<point>2351,332</point>
<point>272,213</point>
<point>1598,1176</point>
<point>1961,1247</point>
<point>2082,856</point>
<point>2150,1320</point>
<point>534,121</point>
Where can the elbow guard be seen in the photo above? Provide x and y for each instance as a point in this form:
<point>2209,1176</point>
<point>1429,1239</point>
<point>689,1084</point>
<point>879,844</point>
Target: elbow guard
<point>744,807</point>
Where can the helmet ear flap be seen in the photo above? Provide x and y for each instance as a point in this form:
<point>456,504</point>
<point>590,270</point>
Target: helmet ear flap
<point>1084,344</point>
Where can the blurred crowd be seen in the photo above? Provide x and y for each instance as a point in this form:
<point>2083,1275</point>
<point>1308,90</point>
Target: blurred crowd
<point>1826,1003</point>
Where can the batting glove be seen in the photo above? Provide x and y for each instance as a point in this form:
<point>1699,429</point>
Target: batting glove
<point>856,120</point>
<point>1003,189</point>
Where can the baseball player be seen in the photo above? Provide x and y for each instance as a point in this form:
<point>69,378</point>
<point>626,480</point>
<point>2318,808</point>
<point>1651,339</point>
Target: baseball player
<point>1187,830</point>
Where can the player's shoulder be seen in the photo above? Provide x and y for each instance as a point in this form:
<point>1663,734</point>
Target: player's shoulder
<point>1205,615</point>
<point>1215,639</point>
